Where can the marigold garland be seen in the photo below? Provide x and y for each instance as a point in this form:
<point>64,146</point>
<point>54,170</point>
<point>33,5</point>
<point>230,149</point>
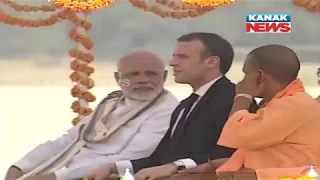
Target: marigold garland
<point>83,5</point>
<point>179,6</point>
<point>81,68</point>
<point>27,8</point>
<point>82,58</point>
<point>53,19</point>
<point>176,14</point>
<point>309,5</point>
<point>208,3</point>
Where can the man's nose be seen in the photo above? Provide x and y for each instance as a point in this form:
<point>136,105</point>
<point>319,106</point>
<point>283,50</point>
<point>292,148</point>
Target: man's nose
<point>143,79</point>
<point>173,62</point>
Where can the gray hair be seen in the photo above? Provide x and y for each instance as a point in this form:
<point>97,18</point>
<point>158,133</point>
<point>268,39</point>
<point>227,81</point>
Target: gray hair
<point>125,57</point>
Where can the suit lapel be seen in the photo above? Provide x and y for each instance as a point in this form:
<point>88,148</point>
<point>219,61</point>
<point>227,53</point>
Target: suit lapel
<point>212,93</point>
<point>174,117</point>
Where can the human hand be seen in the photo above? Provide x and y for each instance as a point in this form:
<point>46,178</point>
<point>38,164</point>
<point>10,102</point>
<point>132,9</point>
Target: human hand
<point>103,172</point>
<point>13,173</point>
<point>156,172</point>
<point>247,86</point>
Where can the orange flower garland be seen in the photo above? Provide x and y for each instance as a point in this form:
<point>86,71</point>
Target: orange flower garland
<point>181,12</point>
<point>82,58</point>
<point>81,68</point>
<point>208,3</point>
<point>83,5</point>
<point>53,19</point>
<point>180,6</point>
<point>27,8</point>
<point>309,5</point>
<point>8,19</point>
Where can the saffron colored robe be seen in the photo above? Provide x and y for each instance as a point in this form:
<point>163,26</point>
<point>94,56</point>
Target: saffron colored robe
<point>281,139</point>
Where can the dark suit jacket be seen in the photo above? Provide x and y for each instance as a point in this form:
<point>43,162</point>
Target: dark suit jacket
<point>201,132</point>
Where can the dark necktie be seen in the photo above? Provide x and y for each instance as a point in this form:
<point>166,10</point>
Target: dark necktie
<point>187,104</point>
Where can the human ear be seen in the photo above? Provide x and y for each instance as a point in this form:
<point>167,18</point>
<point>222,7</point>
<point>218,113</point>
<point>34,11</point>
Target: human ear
<point>213,61</point>
<point>116,76</point>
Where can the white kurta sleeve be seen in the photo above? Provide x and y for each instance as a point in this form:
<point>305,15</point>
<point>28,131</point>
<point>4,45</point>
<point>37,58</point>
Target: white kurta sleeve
<point>49,149</point>
<point>143,143</point>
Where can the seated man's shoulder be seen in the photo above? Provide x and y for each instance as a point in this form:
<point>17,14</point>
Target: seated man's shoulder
<point>298,102</point>
<point>169,96</point>
<point>113,95</point>
<point>168,102</point>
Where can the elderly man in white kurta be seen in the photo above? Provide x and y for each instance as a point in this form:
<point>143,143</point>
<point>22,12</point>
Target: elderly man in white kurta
<point>126,125</point>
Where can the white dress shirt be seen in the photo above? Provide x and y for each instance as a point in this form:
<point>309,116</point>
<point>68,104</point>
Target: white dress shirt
<point>188,163</point>
<point>136,139</point>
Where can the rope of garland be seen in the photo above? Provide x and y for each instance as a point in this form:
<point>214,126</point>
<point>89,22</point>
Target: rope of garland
<point>80,66</point>
<point>208,3</point>
<point>53,19</point>
<point>83,5</point>
<point>179,6</point>
<point>176,12</point>
<point>27,8</point>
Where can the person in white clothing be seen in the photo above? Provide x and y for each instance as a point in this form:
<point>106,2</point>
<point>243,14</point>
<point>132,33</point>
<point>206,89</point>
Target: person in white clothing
<point>125,125</point>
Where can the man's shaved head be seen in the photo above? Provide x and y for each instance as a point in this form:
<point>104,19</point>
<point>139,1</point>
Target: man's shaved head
<point>141,75</point>
<point>270,69</point>
<point>278,61</point>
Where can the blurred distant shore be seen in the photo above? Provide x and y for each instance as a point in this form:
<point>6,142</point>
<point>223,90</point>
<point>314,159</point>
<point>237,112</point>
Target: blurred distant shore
<point>28,74</point>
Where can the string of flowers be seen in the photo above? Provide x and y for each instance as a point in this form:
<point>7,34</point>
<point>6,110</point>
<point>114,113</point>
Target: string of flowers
<point>179,6</point>
<point>208,3</point>
<point>309,5</point>
<point>83,5</point>
<point>182,12</point>
<point>11,20</point>
<point>80,66</point>
<point>26,8</point>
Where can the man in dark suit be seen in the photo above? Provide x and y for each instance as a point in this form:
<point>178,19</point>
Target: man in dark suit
<point>200,60</point>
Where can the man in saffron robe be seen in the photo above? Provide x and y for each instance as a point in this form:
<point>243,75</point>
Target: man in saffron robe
<point>284,133</point>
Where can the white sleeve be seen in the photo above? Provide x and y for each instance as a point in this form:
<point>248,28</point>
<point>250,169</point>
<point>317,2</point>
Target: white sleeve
<point>49,149</point>
<point>142,144</point>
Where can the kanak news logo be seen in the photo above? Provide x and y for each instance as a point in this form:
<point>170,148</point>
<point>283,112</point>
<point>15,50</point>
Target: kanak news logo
<point>268,23</point>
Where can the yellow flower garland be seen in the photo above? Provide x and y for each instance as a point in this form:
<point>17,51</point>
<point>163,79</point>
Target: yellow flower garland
<point>83,5</point>
<point>208,3</point>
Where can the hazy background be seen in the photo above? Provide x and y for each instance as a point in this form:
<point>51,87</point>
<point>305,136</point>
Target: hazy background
<point>34,63</point>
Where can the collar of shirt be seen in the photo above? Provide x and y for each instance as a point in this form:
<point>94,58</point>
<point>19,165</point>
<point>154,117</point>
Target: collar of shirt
<point>125,106</point>
<point>203,89</point>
